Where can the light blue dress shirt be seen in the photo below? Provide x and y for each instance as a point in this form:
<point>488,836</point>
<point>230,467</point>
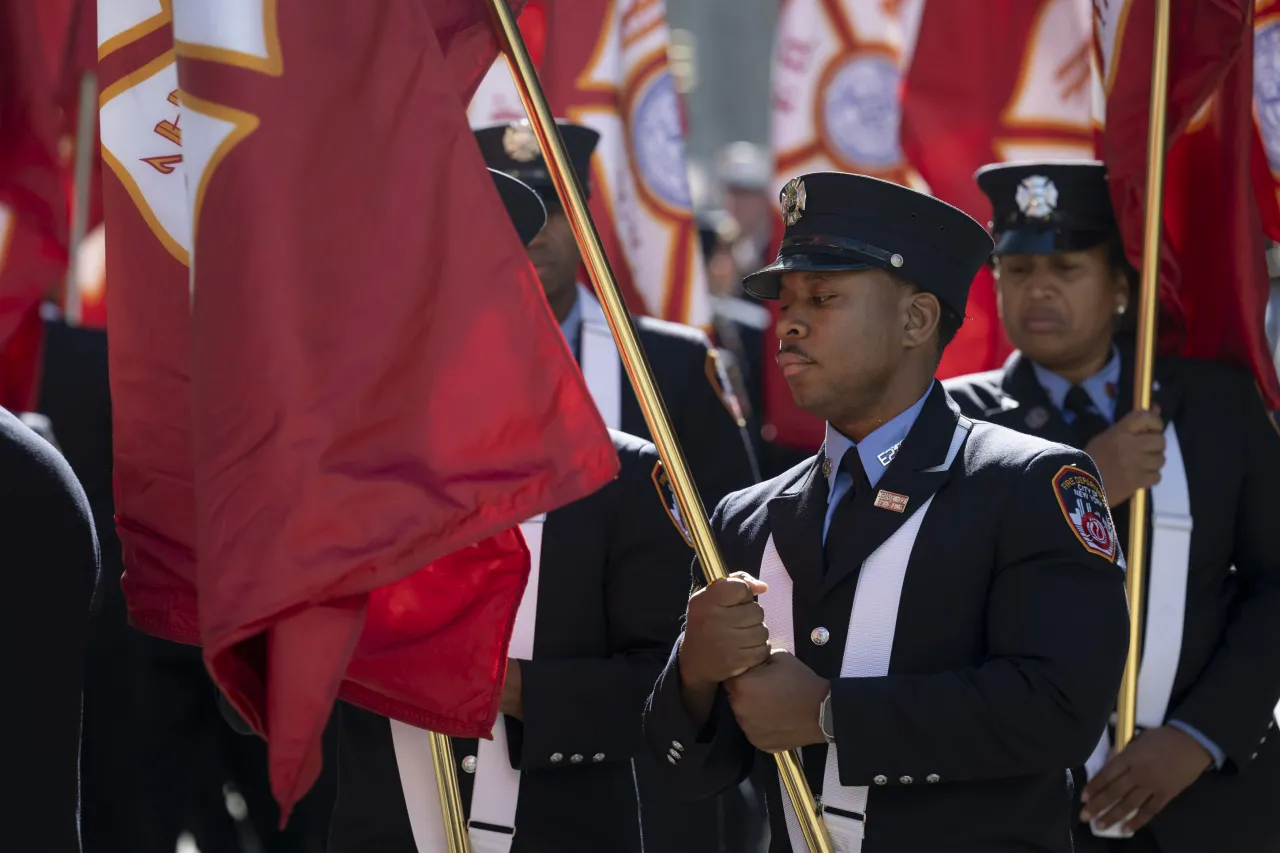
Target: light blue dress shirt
<point>1105,405</point>
<point>571,327</point>
<point>1095,386</point>
<point>876,451</point>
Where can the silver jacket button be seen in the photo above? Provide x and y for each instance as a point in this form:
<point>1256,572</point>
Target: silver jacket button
<point>932,777</point>
<point>671,760</point>
<point>556,757</point>
<point>576,758</point>
<point>820,636</point>
<point>906,780</point>
<point>469,764</point>
<point>598,757</point>
<point>678,745</point>
<point>881,780</point>
<point>673,756</point>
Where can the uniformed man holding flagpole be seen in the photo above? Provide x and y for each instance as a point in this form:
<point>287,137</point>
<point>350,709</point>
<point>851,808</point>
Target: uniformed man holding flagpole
<point>920,582</point>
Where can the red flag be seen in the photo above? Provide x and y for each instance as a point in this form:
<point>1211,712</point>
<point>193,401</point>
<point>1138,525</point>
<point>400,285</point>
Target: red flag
<point>32,201</point>
<point>915,92</point>
<point>1027,100</point>
<point>1214,286</point>
<point>604,65</point>
<point>376,381</point>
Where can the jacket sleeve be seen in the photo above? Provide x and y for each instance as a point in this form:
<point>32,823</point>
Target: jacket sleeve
<point>1044,692</point>
<point>714,440</point>
<point>1233,701</point>
<point>693,764</point>
<point>592,707</point>
<point>50,568</point>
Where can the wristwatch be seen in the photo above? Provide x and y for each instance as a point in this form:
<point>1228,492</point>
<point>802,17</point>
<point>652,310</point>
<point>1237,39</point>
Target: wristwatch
<point>825,722</point>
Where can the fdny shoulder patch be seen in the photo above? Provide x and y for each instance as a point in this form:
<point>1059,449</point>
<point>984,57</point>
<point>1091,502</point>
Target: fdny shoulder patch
<point>1084,505</point>
<point>667,495</point>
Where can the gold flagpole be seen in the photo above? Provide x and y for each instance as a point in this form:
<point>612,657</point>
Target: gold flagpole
<point>455,821</point>
<point>637,365</point>
<point>1144,368</point>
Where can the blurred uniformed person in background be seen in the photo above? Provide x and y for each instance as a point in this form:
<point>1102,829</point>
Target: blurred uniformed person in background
<point>598,617</point>
<point>921,579</point>
<point>705,412</point>
<point>1204,771</point>
<point>703,408</point>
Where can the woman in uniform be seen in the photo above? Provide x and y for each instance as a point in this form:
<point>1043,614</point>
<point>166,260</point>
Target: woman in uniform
<point>1204,771</point>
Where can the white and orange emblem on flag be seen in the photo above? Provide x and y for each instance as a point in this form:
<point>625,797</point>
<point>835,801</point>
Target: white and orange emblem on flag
<point>838,67</point>
<point>610,73</point>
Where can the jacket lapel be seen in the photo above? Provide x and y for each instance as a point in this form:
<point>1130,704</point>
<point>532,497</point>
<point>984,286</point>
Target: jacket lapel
<point>795,519</point>
<point>915,473</point>
<point>1026,407</point>
<point>1166,392</point>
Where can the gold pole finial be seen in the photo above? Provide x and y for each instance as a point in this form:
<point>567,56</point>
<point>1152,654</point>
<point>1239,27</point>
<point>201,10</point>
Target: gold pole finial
<point>637,366</point>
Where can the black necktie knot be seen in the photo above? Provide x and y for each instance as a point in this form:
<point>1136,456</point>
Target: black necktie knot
<point>1088,422</point>
<point>851,463</point>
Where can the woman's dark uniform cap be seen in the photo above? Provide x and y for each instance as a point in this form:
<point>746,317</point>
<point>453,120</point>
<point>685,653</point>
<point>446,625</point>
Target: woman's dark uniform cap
<point>842,222</point>
<point>513,149</point>
<point>522,204</point>
<point>1049,206</point>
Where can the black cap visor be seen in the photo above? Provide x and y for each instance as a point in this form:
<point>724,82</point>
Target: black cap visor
<point>1046,241</point>
<point>522,204</point>
<point>816,253</point>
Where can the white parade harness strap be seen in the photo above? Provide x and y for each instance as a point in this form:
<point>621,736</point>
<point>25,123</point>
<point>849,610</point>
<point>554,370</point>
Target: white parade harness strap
<point>601,363</point>
<point>496,791</point>
<point>867,649</point>
<point>1170,566</point>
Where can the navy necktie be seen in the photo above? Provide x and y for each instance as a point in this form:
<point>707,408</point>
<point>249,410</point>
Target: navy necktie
<point>1088,423</point>
<point>842,518</point>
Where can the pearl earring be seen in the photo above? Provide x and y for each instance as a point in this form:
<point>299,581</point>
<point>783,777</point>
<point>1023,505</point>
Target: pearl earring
<point>1120,310</point>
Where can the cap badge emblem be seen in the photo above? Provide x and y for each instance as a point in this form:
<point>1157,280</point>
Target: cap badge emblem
<point>520,143</point>
<point>1037,197</point>
<point>792,198</point>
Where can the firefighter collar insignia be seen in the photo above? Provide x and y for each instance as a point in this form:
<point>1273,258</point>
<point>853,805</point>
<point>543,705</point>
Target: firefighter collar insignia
<point>1037,197</point>
<point>885,457</point>
<point>792,198</point>
<point>520,143</point>
<point>1037,417</point>
<point>1084,506</point>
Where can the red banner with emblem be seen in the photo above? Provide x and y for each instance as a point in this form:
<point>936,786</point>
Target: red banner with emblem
<point>924,94</point>
<point>604,65</point>
<point>317,412</point>
<point>1213,283</point>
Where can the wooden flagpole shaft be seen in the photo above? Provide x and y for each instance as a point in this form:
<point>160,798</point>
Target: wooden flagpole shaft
<point>455,820</point>
<point>637,365</point>
<point>1144,367</point>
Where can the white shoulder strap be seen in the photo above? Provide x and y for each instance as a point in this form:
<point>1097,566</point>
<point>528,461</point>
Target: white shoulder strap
<point>867,651</point>
<point>1166,585</point>
<point>496,792</point>
<point>1167,573</point>
<point>601,363</point>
